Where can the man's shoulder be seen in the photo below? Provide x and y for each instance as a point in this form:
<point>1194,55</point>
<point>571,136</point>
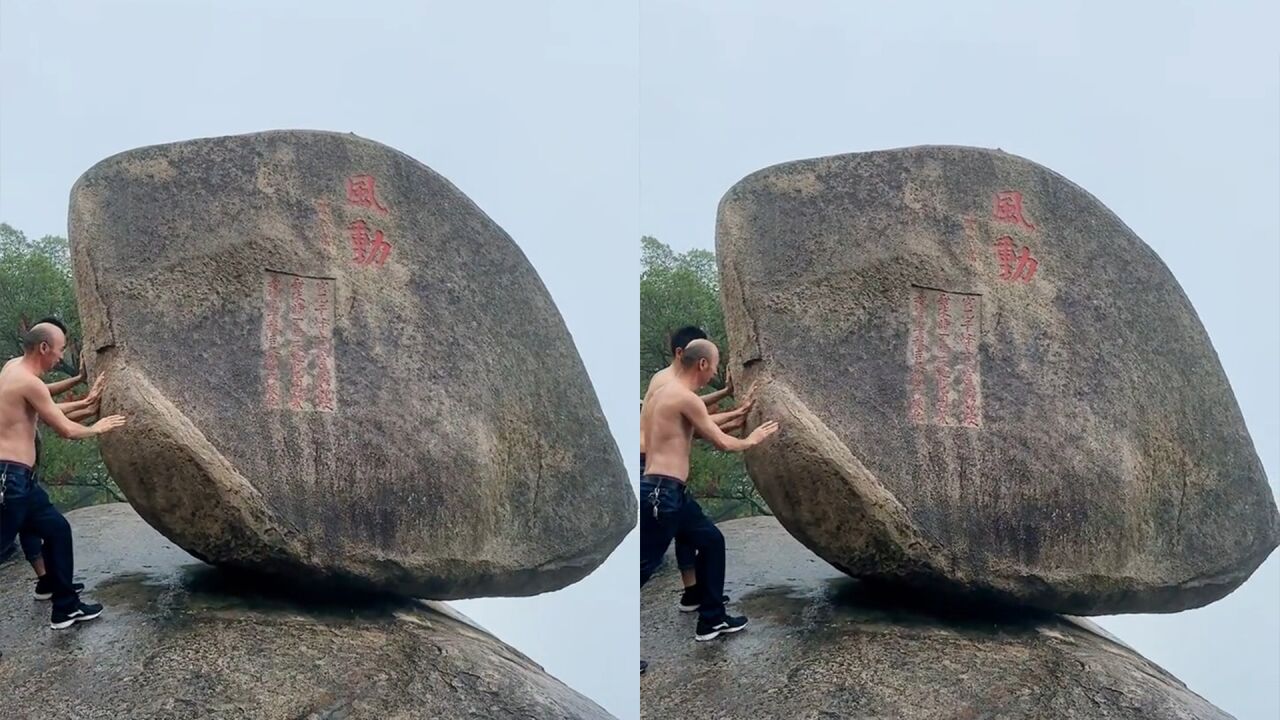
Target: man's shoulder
<point>673,393</point>
<point>659,380</point>
<point>13,374</point>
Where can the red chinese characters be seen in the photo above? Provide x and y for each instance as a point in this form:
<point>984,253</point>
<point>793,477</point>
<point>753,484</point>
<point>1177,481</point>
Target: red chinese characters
<point>324,398</point>
<point>1008,209</point>
<point>362,190</point>
<point>916,411</point>
<point>369,246</point>
<point>944,385</point>
<point>942,365</point>
<point>298,325</point>
<point>969,370</point>
<point>297,338</point>
<point>1015,265</point>
<point>368,249</point>
<point>271,349</point>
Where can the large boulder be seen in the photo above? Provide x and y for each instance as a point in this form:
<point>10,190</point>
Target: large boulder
<point>823,645</point>
<point>336,367</point>
<point>987,384</point>
<point>180,639</point>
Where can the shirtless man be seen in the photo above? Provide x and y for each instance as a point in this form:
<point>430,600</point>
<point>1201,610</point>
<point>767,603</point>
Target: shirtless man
<point>26,508</point>
<point>667,424</point>
<point>75,410</point>
<point>686,557</point>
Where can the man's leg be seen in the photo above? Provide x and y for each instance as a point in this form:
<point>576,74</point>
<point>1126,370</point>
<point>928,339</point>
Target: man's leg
<point>659,516</point>
<point>45,522</point>
<point>31,551</point>
<point>713,620</point>
<point>12,511</point>
<point>693,596</point>
<point>709,541</point>
<point>686,559</point>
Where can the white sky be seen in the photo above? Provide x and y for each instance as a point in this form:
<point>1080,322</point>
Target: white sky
<point>1166,111</point>
<point>529,108</point>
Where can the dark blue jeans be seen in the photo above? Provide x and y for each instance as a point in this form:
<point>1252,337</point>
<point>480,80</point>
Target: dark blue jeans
<point>31,546</point>
<point>686,556</point>
<point>667,513</point>
<point>27,510</point>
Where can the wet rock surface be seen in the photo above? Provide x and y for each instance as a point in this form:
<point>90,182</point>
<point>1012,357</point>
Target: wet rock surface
<point>822,645</point>
<point>180,639</point>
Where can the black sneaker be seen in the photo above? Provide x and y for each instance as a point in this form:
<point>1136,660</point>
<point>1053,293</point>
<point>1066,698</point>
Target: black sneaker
<point>691,599</point>
<point>712,630</point>
<point>643,666</point>
<point>84,611</point>
<point>44,590</point>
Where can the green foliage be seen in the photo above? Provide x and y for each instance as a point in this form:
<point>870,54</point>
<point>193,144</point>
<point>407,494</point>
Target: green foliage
<point>35,282</point>
<point>678,289</point>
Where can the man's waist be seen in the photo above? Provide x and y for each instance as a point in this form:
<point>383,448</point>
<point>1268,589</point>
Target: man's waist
<point>15,467</point>
<point>660,479</point>
<point>16,476</point>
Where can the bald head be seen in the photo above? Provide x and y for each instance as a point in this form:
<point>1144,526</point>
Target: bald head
<point>43,332</point>
<point>700,350</point>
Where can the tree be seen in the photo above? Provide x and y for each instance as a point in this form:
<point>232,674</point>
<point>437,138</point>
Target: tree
<point>678,289</point>
<point>35,282</point>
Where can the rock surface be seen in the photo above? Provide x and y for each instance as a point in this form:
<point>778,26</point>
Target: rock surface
<point>337,368</point>
<point>822,645</point>
<point>987,384</point>
<point>180,639</point>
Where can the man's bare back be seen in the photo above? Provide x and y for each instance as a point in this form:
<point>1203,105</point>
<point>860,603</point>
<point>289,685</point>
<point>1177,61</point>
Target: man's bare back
<point>674,412</point>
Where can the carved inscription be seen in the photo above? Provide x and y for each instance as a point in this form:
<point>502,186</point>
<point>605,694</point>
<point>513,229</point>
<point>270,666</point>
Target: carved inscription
<point>944,383</point>
<point>298,371</point>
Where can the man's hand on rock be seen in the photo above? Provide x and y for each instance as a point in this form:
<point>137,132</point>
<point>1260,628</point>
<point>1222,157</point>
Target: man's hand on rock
<point>758,435</point>
<point>107,424</point>
<point>96,391</point>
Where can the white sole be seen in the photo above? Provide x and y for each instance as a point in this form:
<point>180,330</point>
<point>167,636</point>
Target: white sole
<point>686,608</point>
<point>43,596</point>
<point>717,633</point>
<point>72,621</point>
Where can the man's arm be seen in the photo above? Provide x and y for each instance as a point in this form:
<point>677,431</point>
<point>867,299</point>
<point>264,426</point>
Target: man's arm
<point>76,406</point>
<point>695,411</point>
<point>57,388</point>
<point>733,425</point>
<point>710,399</point>
<point>727,420</point>
<point>730,416</point>
<point>88,410</point>
<point>71,405</point>
<point>36,393</point>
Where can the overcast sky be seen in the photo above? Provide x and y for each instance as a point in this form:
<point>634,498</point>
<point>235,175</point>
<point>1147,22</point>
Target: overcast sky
<point>529,108</point>
<point>1166,111</point>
